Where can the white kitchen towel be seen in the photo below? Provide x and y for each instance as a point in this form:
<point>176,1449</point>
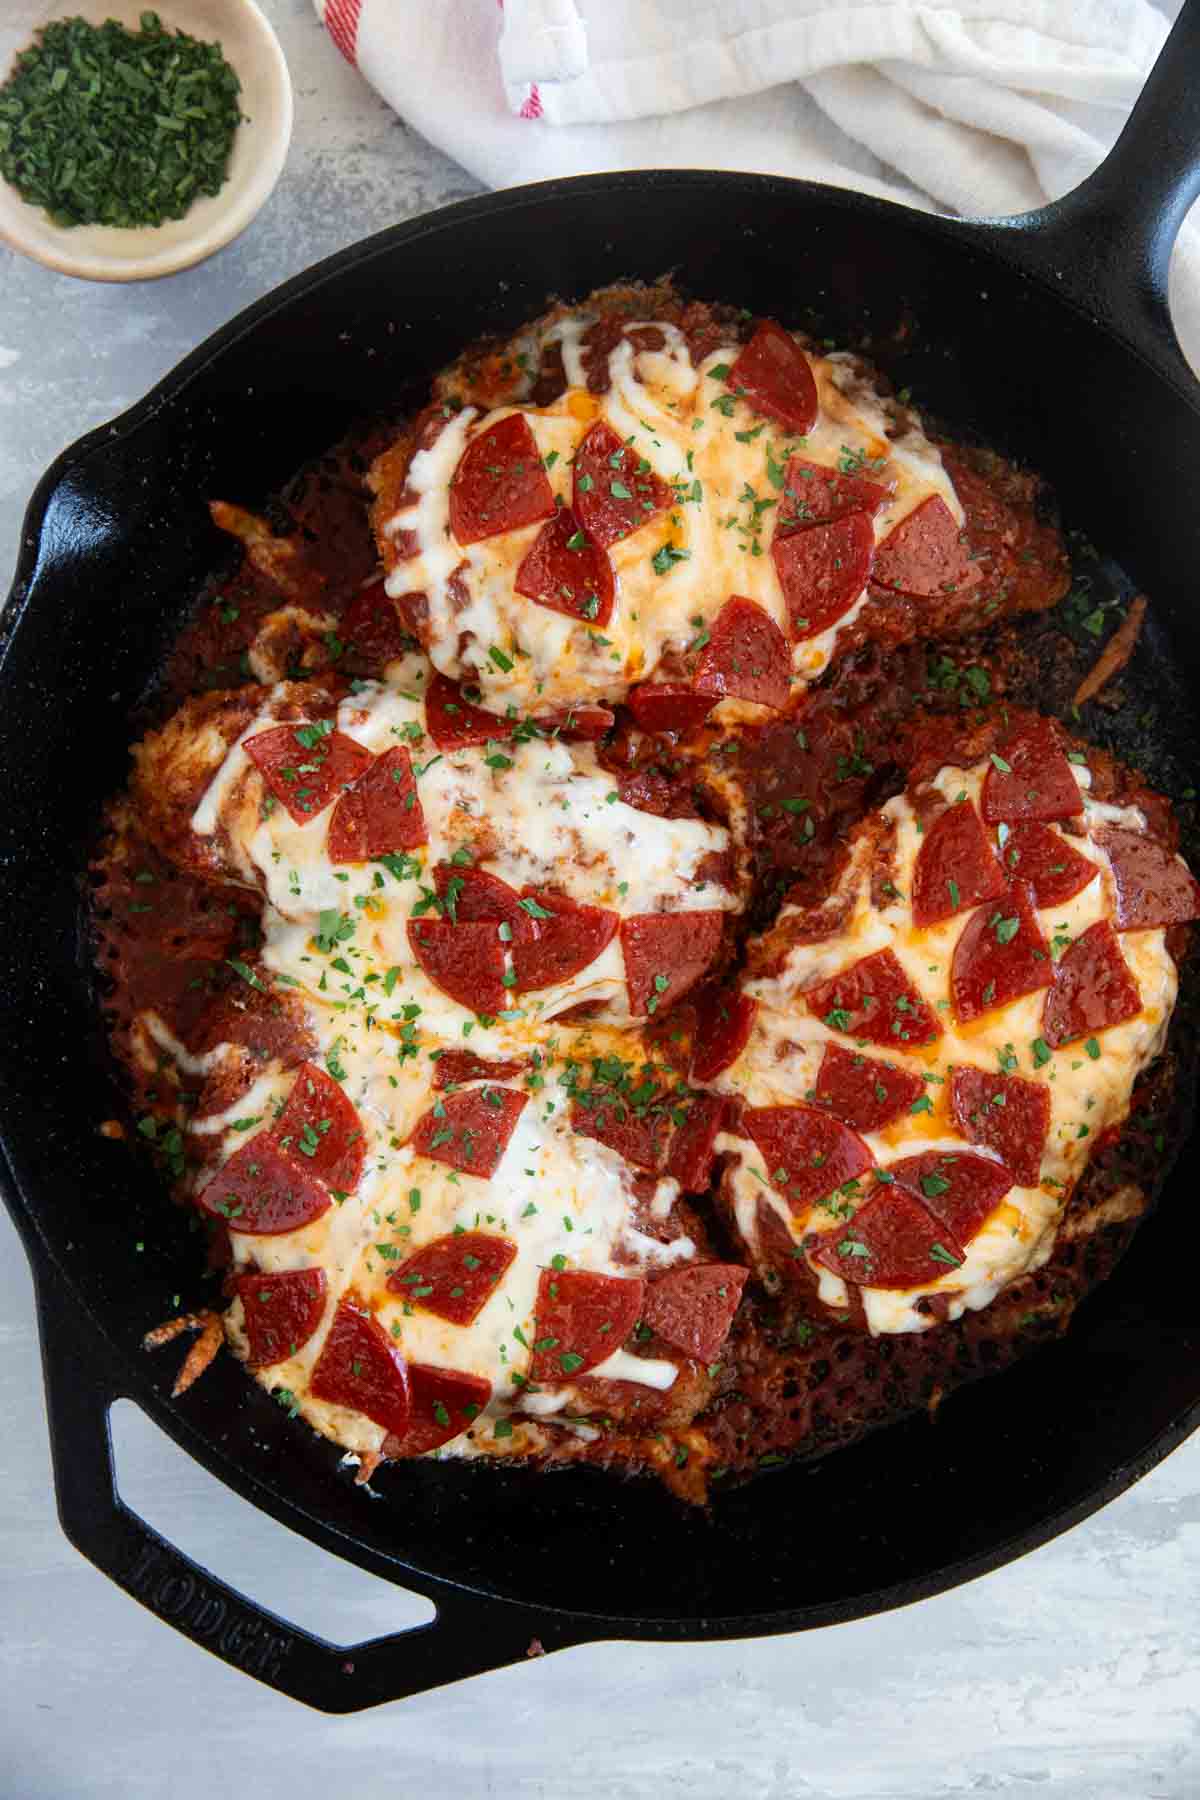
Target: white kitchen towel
<point>979,107</point>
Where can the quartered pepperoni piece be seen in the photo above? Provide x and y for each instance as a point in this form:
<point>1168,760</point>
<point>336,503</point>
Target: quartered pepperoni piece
<point>724,1020</point>
<point>581,1320</point>
<point>690,1159</point>
<point>823,570</point>
<point>891,1242</point>
<point>381,814</point>
<point>1037,854</point>
<point>874,1000</point>
<point>560,938</point>
<point>615,489</point>
<point>863,1092</point>
<point>812,495</point>
<point>693,1307</point>
<point>472,896</point>
<point>773,375</point>
<point>669,706</point>
<point>466,961</point>
<point>956,867</point>
<point>576,724</point>
<point>649,791</point>
<point>360,1367</point>
<point>306,765</point>
<point>1000,956</point>
<point>320,1128</point>
<point>746,657</point>
<point>1030,777</point>
<point>469,1131</point>
<point>1093,988</point>
<point>666,954</point>
<point>924,556</point>
<point>1153,887</point>
<point>452,1068</point>
<point>807,1152</point>
<point>959,1190</point>
<point>638,1132</point>
<point>454,1276</point>
<point>443,1403</point>
<point>263,1191</point>
<point>280,1312</point>
<point>567,572</point>
<point>500,483</point>
<point>453,723</point>
<point>1006,1114</point>
<point>374,628</point>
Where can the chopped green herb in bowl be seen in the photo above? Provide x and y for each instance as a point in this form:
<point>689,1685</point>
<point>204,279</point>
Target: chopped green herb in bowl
<point>105,126</point>
<point>134,143</point>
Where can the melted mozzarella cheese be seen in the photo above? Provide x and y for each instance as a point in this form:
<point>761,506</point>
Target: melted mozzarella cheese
<point>1089,1094</point>
<point>547,817</point>
<point>725,464</point>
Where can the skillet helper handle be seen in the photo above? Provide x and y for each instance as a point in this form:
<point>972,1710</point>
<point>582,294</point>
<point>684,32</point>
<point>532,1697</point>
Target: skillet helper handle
<point>467,1636</point>
<point>1109,241</point>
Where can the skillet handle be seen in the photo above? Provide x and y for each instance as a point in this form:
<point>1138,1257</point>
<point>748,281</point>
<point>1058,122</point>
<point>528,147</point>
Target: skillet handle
<point>467,1636</point>
<point>1108,242</point>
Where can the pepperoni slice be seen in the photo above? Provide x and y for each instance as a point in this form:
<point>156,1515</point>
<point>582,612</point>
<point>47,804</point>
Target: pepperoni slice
<point>452,1068</point>
<point>823,570</point>
<point>500,483</point>
<point>466,961</point>
<point>615,490</point>
<point>567,572</point>
<point>808,1154</point>
<point>360,1367</point>
<point>665,956</point>
<point>453,723</point>
<point>863,1092</point>
<point>581,1319</point>
<point>469,1131</point>
<point>320,1129</point>
<point>1006,1114</point>
<point>280,1312</point>
<point>649,791</point>
<point>472,896</point>
<point>956,867</point>
<point>1000,956</point>
<point>813,495</point>
<point>1030,777</point>
<point>1093,988</point>
<point>576,724</point>
<point>959,1190</point>
<point>891,1242</point>
<point>1153,887</point>
<point>560,938</point>
<point>874,1000</point>
<point>306,765</point>
<point>746,657</point>
<point>454,1276</point>
<point>772,373</point>
<point>924,556</point>
<point>638,1132</point>
<point>443,1403</point>
<point>381,814</point>
<point>692,1308</point>
<point>724,1020</point>
<point>1037,854</point>
<point>374,627</point>
<point>693,1144</point>
<point>669,706</point>
<point>263,1192</point>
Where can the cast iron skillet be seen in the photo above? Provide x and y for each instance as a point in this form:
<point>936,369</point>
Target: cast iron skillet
<point>1049,335</point>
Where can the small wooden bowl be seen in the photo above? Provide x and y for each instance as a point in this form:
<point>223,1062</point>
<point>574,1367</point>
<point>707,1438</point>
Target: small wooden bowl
<point>112,253</point>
